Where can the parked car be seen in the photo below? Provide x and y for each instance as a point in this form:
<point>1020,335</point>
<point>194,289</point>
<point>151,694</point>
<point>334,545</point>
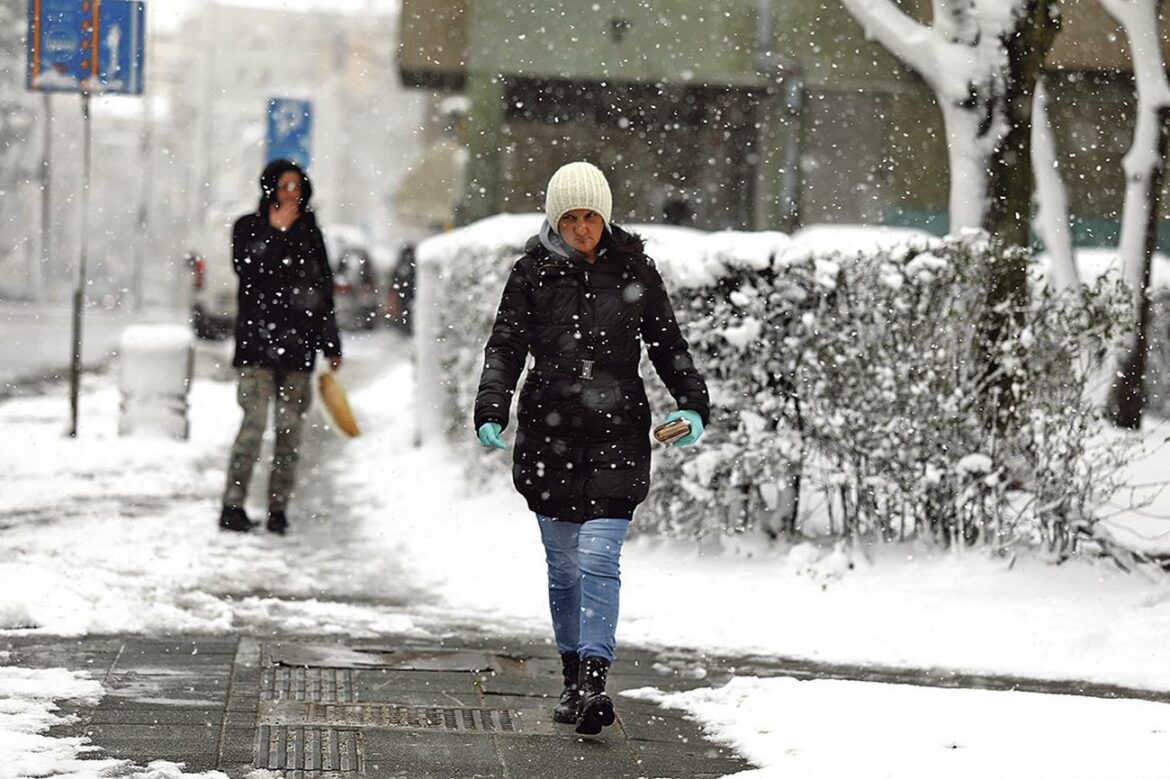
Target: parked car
<point>355,289</point>
<point>400,289</point>
<point>213,280</point>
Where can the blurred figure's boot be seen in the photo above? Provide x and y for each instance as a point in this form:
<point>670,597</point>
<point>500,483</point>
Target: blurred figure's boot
<point>566,709</point>
<point>235,518</point>
<point>596,706</point>
<point>277,522</point>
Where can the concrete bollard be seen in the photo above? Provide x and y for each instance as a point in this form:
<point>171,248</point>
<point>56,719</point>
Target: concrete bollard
<point>156,363</point>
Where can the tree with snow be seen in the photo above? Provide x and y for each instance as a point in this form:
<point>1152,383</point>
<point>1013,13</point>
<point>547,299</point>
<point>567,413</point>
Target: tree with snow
<point>982,59</point>
<point>1051,220</point>
<point>1144,166</point>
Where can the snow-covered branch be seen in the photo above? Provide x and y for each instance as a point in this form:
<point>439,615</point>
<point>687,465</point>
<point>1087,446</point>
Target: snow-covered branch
<point>980,57</point>
<point>1139,20</point>
<point>956,20</point>
<point>905,38</point>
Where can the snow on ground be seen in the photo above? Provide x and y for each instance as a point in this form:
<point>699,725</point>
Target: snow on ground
<point>28,710</point>
<point>830,729</point>
<point>106,534</point>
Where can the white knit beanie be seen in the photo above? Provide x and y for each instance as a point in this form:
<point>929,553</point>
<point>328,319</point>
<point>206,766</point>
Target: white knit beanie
<point>577,185</point>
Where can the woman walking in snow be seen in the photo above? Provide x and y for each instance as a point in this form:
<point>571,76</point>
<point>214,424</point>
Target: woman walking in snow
<point>285,317</point>
<point>582,300</point>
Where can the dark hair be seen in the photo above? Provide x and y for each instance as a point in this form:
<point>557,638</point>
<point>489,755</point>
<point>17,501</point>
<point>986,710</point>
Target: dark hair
<point>631,247</point>
<point>270,179</point>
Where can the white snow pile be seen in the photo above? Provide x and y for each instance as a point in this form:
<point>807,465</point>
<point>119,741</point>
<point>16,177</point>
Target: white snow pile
<point>28,709</point>
<point>831,728</point>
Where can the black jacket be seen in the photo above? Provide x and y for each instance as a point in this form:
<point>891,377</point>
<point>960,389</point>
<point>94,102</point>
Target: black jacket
<point>582,444</point>
<point>285,313</point>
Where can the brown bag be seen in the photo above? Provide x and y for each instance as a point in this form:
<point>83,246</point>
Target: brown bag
<point>333,397</point>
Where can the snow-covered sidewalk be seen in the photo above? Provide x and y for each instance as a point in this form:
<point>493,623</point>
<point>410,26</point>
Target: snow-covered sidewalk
<point>110,535</point>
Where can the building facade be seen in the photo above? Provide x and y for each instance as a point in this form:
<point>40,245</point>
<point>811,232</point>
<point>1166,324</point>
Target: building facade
<point>751,113</point>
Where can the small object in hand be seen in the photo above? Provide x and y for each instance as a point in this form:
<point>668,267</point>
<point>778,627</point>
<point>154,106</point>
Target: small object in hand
<point>671,431</point>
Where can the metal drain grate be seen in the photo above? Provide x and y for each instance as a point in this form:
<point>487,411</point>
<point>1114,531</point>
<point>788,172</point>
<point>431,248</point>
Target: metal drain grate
<point>377,715</point>
<point>307,749</point>
<point>284,683</point>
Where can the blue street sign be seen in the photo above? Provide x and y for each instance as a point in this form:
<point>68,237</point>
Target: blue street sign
<point>121,46</point>
<point>86,45</point>
<point>62,40</point>
<point>290,130</point>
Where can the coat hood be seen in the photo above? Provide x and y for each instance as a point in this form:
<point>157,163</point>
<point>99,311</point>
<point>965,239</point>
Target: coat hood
<point>614,239</point>
<point>271,176</point>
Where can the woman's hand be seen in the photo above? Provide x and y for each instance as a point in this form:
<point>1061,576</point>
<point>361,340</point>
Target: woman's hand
<point>282,216</point>
<point>489,436</point>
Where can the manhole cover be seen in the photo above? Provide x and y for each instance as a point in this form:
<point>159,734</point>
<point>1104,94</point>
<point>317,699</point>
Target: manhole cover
<point>306,684</point>
<point>390,715</point>
<point>307,749</point>
<point>476,719</point>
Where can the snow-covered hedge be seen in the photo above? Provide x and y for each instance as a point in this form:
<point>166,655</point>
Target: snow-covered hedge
<point>865,375</point>
<point>855,375</point>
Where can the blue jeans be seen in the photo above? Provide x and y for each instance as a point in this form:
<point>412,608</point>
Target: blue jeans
<point>584,582</point>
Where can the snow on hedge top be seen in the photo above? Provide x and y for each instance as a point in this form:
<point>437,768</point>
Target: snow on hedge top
<point>686,256</point>
<point>1092,263</point>
<point>488,236</point>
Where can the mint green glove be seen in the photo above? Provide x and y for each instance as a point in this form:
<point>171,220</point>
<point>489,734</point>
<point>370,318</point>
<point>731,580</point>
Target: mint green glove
<point>489,436</point>
<point>695,421</point>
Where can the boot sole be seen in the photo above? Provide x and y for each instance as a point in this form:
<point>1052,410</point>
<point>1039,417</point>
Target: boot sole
<point>565,718</point>
<point>595,715</point>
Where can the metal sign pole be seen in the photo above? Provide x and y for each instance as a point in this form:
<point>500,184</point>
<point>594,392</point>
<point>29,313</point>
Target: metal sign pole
<point>46,199</point>
<point>137,292</point>
<point>79,293</point>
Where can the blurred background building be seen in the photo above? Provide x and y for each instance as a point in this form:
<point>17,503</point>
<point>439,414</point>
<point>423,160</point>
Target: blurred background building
<point>736,114</point>
<point>741,113</point>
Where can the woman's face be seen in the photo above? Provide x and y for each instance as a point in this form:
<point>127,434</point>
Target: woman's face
<point>288,189</point>
<point>581,229</point>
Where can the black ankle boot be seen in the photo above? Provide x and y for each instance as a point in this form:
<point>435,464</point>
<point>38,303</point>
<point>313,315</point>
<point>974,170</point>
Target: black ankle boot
<point>235,518</point>
<point>596,707</point>
<point>566,709</point>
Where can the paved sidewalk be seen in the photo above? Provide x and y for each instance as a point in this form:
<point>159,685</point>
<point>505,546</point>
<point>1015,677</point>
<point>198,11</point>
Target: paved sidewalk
<point>404,708</point>
<point>399,708</point>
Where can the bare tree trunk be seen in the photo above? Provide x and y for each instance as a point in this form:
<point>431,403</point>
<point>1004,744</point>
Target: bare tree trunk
<point>1144,166</point>
<point>1010,206</point>
<point>1141,199</point>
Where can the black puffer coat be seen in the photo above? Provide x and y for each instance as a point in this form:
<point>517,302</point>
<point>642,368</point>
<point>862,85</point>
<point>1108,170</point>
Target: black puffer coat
<point>285,295</point>
<point>583,445</point>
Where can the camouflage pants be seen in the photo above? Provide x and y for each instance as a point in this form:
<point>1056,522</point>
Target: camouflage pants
<point>256,390</point>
